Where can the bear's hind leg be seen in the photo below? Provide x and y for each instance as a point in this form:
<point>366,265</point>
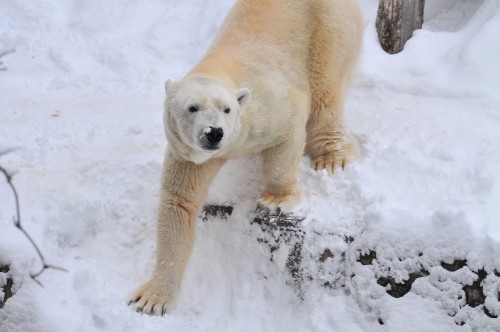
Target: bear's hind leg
<point>328,144</point>
<point>332,60</point>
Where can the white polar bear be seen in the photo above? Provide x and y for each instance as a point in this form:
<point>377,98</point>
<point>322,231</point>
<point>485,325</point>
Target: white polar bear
<point>272,83</point>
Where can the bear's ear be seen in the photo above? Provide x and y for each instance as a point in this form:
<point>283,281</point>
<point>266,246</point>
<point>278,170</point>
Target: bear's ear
<point>243,95</point>
<point>170,86</point>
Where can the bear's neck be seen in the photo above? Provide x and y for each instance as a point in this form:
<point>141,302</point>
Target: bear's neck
<point>221,67</point>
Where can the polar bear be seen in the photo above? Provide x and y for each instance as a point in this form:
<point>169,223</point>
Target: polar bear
<point>272,83</point>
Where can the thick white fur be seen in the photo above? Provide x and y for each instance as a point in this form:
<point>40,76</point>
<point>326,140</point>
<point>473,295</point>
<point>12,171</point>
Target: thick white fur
<point>281,67</point>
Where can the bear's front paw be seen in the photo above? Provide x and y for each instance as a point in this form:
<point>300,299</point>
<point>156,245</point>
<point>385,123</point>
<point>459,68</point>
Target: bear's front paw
<point>278,203</point>
<point>152,299</point>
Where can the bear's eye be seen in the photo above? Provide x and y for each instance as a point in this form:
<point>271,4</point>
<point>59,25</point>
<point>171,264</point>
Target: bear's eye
<point>193,108</point>
<point>227,110</point>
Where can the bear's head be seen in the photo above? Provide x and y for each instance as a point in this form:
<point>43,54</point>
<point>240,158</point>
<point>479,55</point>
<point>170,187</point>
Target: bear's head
<point>202,116</point>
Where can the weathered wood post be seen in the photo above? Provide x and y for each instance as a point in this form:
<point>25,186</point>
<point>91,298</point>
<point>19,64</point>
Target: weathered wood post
<point>396,21</point>
<point>6,283</point>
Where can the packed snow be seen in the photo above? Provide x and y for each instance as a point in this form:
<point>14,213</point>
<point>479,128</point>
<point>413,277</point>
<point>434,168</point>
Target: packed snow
<point>406,238</point>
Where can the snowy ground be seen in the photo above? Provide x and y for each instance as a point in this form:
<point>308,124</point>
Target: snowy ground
<point>82,102</point>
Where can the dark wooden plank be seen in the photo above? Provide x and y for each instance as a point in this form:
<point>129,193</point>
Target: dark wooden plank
<point>396,21</point>
<point>7,285</point>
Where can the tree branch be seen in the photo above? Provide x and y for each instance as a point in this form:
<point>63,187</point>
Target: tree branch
<point>17,222</point>
<point>3,53</point>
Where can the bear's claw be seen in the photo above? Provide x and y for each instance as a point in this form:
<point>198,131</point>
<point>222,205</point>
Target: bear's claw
<point>334,156</point>
<point>262,209</point>
<point>329,163</point>
<point>149,301</point>
<point>277,204</point>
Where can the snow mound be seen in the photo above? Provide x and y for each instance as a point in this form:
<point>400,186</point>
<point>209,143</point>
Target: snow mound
<point>405,239</point>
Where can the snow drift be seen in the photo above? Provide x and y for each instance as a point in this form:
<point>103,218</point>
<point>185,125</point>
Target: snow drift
<point>407,238</point>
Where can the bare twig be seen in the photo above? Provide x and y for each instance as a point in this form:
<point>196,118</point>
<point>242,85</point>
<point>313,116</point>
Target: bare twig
<point>3,53</point>
<point>17,222</point>
<point>4,152</point>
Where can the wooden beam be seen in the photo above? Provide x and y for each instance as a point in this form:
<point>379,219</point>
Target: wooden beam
<point>396,21</point>
<point>7,284</point>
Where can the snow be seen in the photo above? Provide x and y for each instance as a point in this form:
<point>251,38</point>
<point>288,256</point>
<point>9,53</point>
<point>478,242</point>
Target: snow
<point>81,101</point>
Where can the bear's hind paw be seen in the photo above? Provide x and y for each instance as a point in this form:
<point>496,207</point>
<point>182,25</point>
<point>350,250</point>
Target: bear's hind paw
<point>328,163</point>
<point>336,157</point>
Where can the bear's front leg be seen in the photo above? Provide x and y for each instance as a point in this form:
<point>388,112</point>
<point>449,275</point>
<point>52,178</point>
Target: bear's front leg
<point>183,190</point>
<point>280,168</point>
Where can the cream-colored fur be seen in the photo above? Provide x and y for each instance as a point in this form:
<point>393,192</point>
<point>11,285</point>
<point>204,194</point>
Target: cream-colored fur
<point>281,68</point>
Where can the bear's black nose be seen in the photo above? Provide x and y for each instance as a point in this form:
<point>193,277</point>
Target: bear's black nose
<point>214,135</point>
